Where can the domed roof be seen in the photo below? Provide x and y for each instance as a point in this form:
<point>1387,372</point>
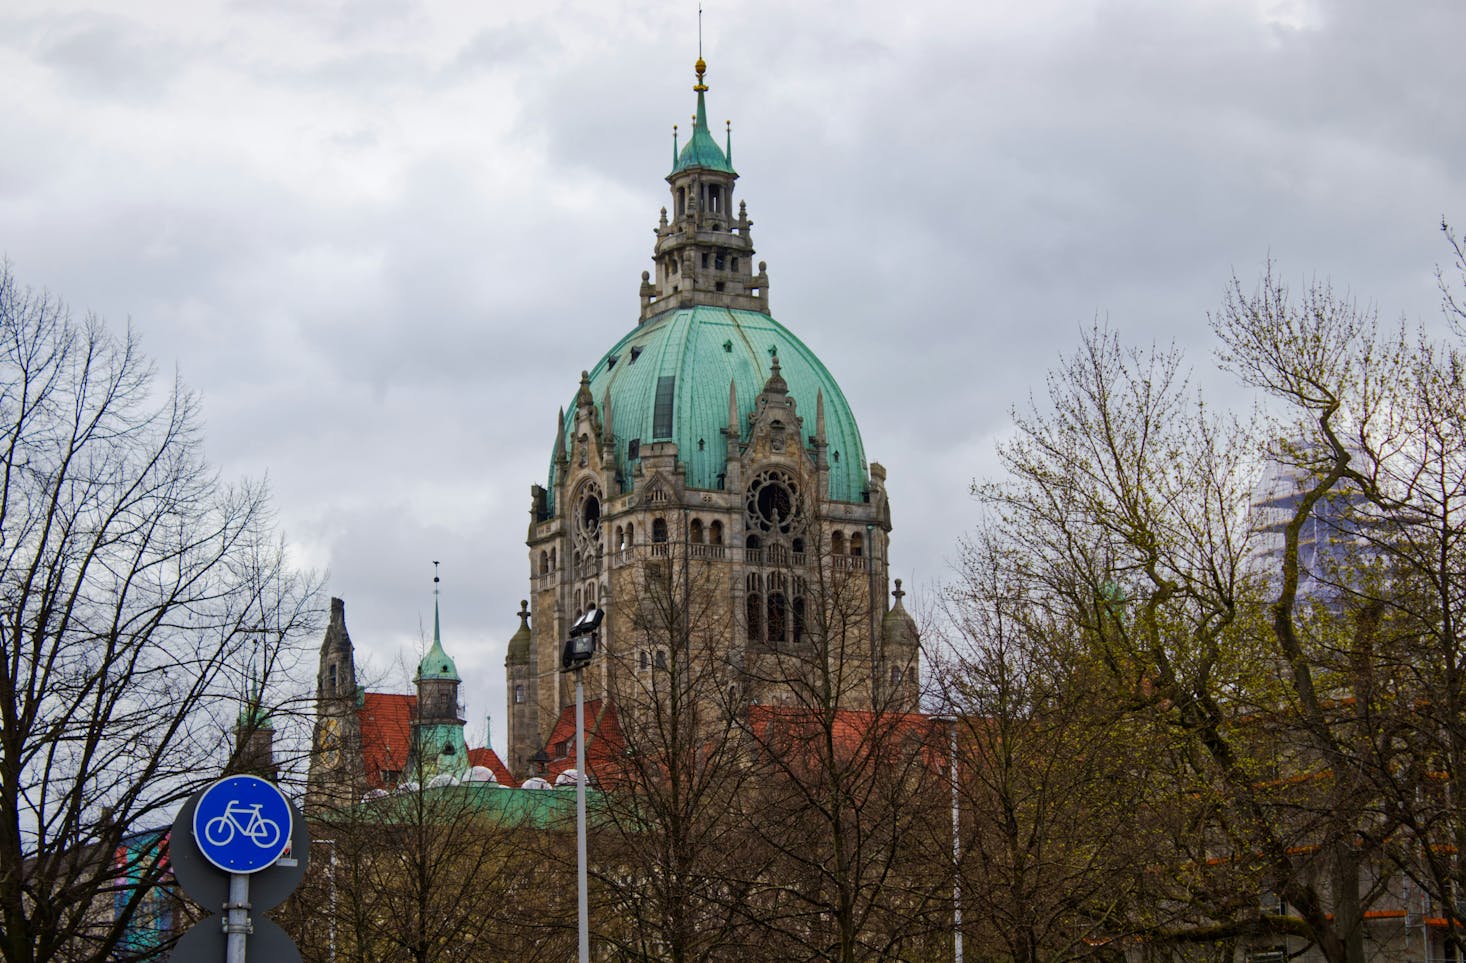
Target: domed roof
<point>436,664</point>
<point>688,357</point>
<point>519,641</point>
<point>701,150</point>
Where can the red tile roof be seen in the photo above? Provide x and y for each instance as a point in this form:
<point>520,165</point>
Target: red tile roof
<point>780,729</point>
<point>783,730</point>
<point>604,740</point>
<point>490,758</point>
<point>385,719</point>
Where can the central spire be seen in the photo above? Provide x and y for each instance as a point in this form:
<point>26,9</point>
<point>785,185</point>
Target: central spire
<point>703,253</point>
<point>702,151</point>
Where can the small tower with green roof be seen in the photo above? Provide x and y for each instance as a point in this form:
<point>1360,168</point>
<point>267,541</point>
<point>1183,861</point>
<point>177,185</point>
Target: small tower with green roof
<point>703,252</point>
<point>438,746</point>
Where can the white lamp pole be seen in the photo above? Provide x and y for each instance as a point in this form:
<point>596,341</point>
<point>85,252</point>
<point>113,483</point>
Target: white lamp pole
<point>580,648</point>
<point>581,874</point>
<point>956,846</point>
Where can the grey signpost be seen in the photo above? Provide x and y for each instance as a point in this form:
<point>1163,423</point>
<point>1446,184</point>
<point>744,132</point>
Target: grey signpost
<point>241,847</point>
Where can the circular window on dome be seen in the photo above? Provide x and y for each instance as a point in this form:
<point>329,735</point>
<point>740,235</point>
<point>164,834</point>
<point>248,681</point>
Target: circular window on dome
<point>773,502</point>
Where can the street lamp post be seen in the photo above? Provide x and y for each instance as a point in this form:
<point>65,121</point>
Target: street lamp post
<point>331,920</point>
<point>956,846</point>
<point>579,649</point>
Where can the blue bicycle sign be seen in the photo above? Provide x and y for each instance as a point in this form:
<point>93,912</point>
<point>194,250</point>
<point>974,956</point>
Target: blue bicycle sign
<point>242,824</point>
<point>263,832</point>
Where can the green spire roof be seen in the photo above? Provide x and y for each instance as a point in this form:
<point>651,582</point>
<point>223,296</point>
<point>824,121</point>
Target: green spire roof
<point>252,711</point>
<point>436,664</point>
<point>701,150</point>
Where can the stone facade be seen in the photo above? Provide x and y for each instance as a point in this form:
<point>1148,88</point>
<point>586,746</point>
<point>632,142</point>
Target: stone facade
<point>735,545</point>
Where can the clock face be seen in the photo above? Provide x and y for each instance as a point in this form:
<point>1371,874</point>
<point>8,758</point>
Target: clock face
<point>328,742</point>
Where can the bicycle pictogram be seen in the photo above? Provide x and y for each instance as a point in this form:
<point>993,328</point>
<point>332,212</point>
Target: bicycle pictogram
<point>242,824</point>
<point>264,833</point>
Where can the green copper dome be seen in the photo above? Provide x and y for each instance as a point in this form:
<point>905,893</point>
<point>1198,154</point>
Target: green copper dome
<point>686,358</point>
<point>702,151</point>
<point>437,664</point>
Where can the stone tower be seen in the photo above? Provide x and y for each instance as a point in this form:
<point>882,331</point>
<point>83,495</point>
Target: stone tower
<point>519,668</point>
<point>336,744</point>
<point>708,487</point>
<point>437,746</point>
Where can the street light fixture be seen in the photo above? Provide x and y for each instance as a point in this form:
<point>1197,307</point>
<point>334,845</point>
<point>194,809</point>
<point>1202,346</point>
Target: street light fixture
<point>579,649</point>
<point>956,847</point>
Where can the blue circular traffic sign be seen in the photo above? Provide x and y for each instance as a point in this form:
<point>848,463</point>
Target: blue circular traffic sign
<point>242,824</point>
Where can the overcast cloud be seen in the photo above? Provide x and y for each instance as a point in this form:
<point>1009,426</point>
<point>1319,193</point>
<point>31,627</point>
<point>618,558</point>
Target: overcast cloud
<point>383,238</point>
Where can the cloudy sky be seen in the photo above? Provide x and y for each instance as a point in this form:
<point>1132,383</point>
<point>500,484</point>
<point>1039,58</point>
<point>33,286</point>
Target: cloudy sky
<point>383,237</point>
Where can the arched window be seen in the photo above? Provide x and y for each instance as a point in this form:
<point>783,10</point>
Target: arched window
<point>577,602</point>
<point>630,535</point>
<point>643,660</point>
<point>755,613</point>
<point>552,560</point>
<point>753,582</point>
<point>799,618</point>
<point>837,543</point>
<point>694,532</point>
<point>715,533</point>
<point>659,530</point>
<point>518,694</point>
<point>798,545</point>
<point>857,544</point>
<point>778,616</point>
<point>661,659</point>
<point>544,563</point>
<point>620,540</point>
<point>681,201</point>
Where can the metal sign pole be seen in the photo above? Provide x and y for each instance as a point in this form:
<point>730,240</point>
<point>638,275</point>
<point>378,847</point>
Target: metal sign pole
<point>237,916</point>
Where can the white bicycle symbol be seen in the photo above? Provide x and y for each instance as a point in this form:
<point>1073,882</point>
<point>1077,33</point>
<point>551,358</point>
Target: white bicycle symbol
<point>264,833</point>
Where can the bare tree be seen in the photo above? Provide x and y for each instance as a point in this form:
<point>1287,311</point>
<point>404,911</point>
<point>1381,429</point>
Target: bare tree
<point>848,800</point>
<point>438,875</point>
<point>1129,486</point>
<point>134,585</point>
<point>671,858</point>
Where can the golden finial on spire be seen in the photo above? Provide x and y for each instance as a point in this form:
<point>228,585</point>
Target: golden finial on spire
<point>701,66</point>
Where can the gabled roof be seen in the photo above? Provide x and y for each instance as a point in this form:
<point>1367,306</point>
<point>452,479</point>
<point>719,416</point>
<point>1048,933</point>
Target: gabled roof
<point>490,759</point>
<point>604,741</point>
<point>385,720</point>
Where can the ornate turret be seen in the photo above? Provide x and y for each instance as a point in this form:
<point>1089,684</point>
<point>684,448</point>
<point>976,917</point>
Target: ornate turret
<point>437,728</point>
<point>703,254</point>
<point>520,671</point>
<point>900,648</point>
